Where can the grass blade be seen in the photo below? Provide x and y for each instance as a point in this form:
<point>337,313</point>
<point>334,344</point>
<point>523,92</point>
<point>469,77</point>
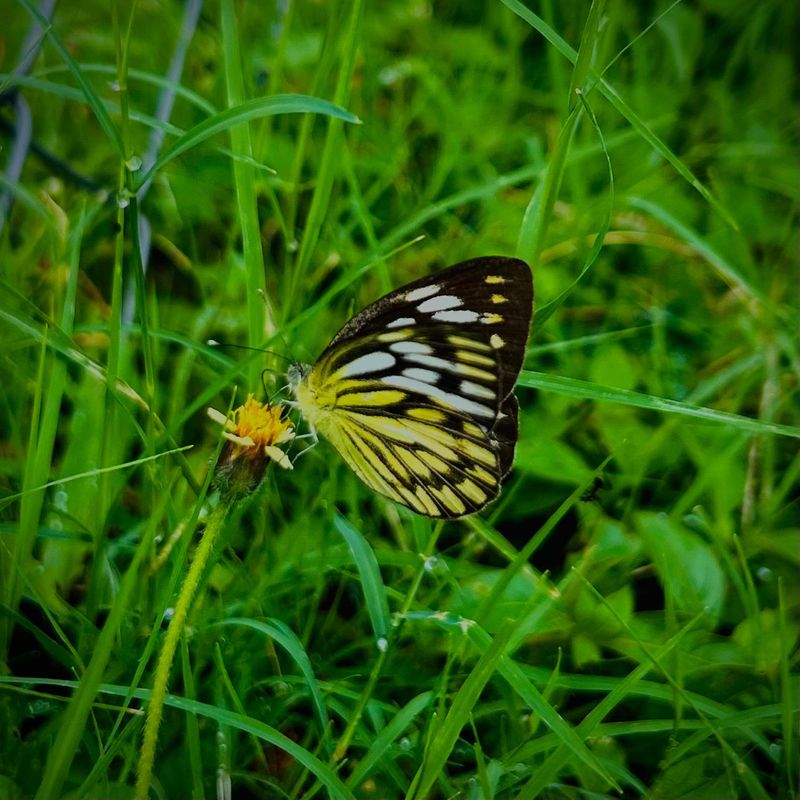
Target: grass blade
<point>95,103</point>
<point>386,736</point>
<point>641,127</point>
<point>370,575</point>
<point>573,387</point>
<point>458,715</point>
<point>245,112</point>
<point>329,163</point>
<point>220,716</point>
<point>288,640</point>
<point>246,197</point>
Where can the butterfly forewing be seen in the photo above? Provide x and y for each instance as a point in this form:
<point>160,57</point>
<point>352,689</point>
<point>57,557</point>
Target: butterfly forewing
<point>415,392</point>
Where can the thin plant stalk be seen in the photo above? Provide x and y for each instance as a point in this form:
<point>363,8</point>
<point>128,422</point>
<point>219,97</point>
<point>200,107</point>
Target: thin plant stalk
<point>155,708</point>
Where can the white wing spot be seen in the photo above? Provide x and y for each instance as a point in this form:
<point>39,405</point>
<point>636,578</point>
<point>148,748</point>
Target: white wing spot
<point>440,303</point>
<point>429,361</point>
<point>371,362</point>
<point>426,375</point>
<point>476,390</point>
<point>456,316</point>
<point>452,366</point>
<point>411,347</point>
<point>496,341</point>
<point>452,400</point>
<point>400,321</point>
<point>422,292</point>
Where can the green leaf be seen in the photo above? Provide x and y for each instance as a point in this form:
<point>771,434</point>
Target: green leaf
<point>687,566</point>
<point>762,642</point>
<point>370,575</point>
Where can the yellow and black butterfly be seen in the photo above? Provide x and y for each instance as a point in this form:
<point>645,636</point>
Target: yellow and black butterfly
<point>416,390</point>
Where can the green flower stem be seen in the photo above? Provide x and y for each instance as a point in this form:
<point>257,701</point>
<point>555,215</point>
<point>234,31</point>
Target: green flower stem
<point>156,706</point>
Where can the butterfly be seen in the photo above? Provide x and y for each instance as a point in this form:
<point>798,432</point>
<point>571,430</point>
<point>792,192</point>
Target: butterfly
<point>415,392</point>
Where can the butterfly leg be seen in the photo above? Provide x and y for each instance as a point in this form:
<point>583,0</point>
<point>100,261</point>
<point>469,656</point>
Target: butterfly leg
<point>312,434</point>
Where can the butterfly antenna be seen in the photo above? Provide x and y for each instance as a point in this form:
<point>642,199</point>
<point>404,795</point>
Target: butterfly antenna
<point>265,371</point>
<point>215,343</point>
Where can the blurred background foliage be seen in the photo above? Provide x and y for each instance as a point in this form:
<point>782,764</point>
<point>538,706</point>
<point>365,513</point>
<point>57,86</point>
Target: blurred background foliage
<point>623,619</point>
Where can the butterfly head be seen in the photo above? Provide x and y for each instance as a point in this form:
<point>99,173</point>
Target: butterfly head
<point>297,377</point>
<point>312,399</point>
<point>297,374</point>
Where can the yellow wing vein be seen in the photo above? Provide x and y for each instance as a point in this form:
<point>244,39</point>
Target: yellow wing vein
<point>485,494</point>
<point>369,437</point>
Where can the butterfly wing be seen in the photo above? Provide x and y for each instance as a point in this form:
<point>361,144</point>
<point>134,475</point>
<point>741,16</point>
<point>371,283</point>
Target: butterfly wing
<point>416,390</point>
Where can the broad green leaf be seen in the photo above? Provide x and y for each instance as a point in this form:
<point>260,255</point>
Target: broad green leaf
<point>687,567</point>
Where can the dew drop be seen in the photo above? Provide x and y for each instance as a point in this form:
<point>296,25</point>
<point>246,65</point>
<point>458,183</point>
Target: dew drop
<point>61,498</point>
<point>431,562</point>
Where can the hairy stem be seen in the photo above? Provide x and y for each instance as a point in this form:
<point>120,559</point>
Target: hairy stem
<point>156,706</point>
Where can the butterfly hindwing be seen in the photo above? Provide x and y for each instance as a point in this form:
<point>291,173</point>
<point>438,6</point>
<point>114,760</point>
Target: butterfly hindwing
<point>415,391</point>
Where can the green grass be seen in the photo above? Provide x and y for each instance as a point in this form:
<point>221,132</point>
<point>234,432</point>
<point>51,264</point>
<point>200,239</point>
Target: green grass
<point>623,621</point>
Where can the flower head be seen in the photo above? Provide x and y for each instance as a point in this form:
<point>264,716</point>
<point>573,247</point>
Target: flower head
<point>253,432</point>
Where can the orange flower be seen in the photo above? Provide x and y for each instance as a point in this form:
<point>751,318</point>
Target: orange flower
<point>253,432</point>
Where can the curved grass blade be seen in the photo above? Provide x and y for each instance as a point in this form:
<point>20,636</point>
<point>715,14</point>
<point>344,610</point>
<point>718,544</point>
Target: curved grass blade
<point>519,683</point>
<point>724,269</point>
<point>590,38</point>
<point>642,128</point>
<point>539,211</point>
<point>458,714</point>
<point>370,575</point>
<point>573,387</point>
<point>95,103</point>
<point>282,634</point>
<point>544,313</point>
<point>400,723</point>
<point>250,110</point>
<point>221,716</point>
